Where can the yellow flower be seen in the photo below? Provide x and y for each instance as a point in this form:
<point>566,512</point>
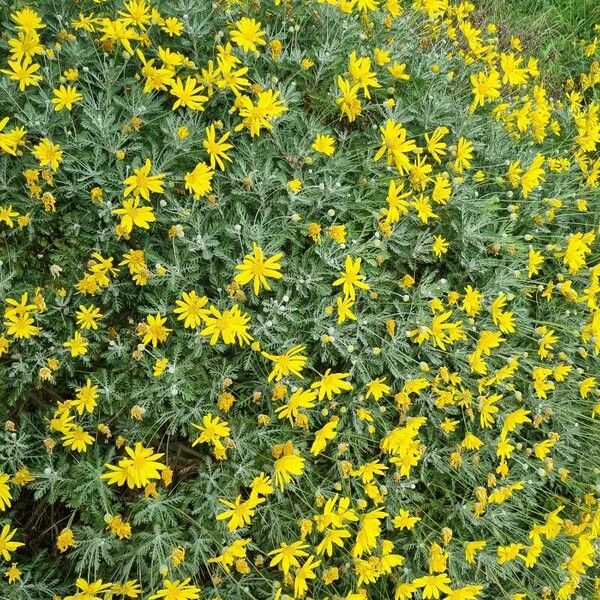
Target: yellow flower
<point>276,47</point>
<point>23,476</point>
<point>398,71</point>
<point>188,94</point>
<point>177,556</point>
<point>348,102</point>
<point>129,589</point>
<point>326,433</point>
<point>546,343</point>
<point>333,537</point>
<point>486,86</point>
<point>159,366</point>
<point>287,466</point>
<point>118,527</point>
<point>424,209</point>
<point>440,246</point>
<point>140,468</point>
<point>257,269</point>
<point>432,585</point>
<point>141,183</point>
<point>586,386</point>
<point>287,555</point>
<point>301,398</point>
<point>84,22</point>
<point>89,589</point>
<point>25,46</point>
<point>292,361</point>
<point>463,155</point>
<point>134,214</point>
<point>513,73</point>
<point>442,190</point>
<point>472,301</point>
<point>471,548</point>
<point>535,260</point>
<point>325,144</point>
<point>65,540</point>
<point>23,72</point>
<point>382,57</point>
<point>154,330</point>
<point>240,513</point>
<point>508,553</point>
<point>65,97</point>
<point>337,233</point>
<point>177,590</point>
<point>48,154</point>
<point>397,204</point>
<point>304,573</point>
<point>533,176</point>
<point>183,132</point>
<point>368,532</point>
<point>5,495</point>
<point>471,442</point>
<point>295,185</point>
<point>351,277</point>
<point>86,397</point>
<point>314,231</point>
<point>212,430</point>
<point>578,247</point>
<point>199,181</point>
<point>377,388</point>
<point>87,316</point>
<point>13,574</point>
<point>27,20</point>
<point>360,71</point>
<point>344,306</point>
<point>435,146</point>
<point>260,115</point>
<point>237,550</point>
<point>231,325</point>
<point>217,149</point>
<point>404,521</point>
<point>248,34</point>
<point>118,31</point>
<point>6,544</point>
<point>78,345</point>
<point>23,220</point>
<point>10,141</point>
<point>405,591</point>
<point>137,13</point>
<point>77,439</point>
<point>331,383</point>
<point>262,485</point>
<point>468,592</point>
<point>172,26</point>
<point>190,309</point>
<point>395,146</point>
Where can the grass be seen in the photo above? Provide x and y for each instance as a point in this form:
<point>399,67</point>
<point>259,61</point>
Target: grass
<point>549,29</point>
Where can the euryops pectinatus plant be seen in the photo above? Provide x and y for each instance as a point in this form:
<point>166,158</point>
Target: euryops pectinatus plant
<point>299,300</point>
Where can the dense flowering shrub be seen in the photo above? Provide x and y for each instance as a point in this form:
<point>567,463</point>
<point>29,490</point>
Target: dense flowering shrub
<point>299,300</point>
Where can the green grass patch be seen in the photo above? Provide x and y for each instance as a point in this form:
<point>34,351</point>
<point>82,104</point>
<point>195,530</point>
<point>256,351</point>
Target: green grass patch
<point>550,29</point>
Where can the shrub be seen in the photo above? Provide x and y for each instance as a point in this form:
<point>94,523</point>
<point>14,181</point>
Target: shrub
<point>300,300</point>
